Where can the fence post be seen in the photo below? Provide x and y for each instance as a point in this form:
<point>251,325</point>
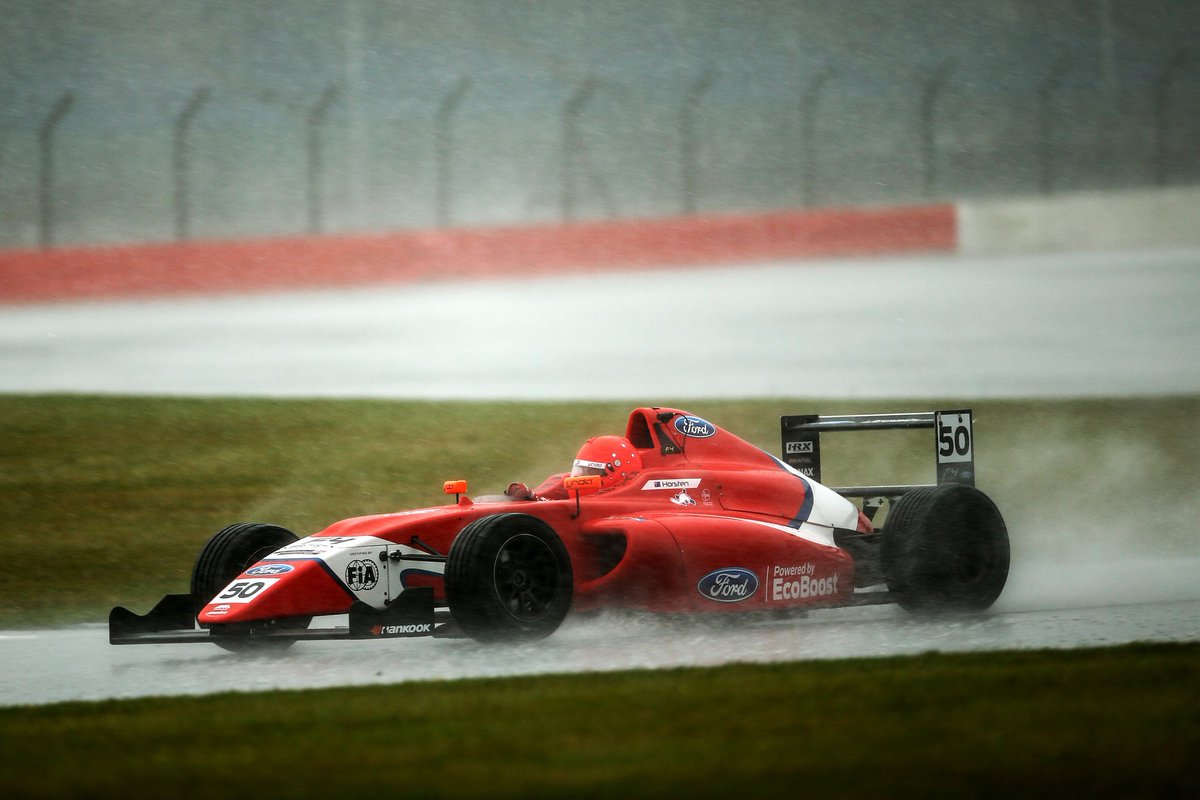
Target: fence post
<point>1046,96</point>
<point>1162,114</point>
<point>934,87</point>
<point>445,149</point>
<point>47,218</point>
<point>808,134</point>
<point>316,161</point>
<point>572,144</point>
<point>181,158</point>
<point>689,140</point>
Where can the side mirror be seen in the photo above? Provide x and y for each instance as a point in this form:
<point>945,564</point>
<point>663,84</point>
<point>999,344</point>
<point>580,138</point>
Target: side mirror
<point>582,484</point>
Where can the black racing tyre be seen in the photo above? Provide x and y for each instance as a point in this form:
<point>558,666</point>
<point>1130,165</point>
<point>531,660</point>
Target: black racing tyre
<point>945,548</point>
<point>508,578</point>
<point>226,555</point>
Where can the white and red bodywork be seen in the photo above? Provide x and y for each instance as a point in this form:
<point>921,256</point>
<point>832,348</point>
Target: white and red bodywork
<point>712,523</point>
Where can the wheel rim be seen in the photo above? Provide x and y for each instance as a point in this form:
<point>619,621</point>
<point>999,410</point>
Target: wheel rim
<point>976,554</point>
<point>526,578</point>
<point>969,565</point>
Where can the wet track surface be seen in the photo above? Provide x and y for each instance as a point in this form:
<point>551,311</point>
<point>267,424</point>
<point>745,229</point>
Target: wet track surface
<point>1080,325</point>
<point>1045,606</point>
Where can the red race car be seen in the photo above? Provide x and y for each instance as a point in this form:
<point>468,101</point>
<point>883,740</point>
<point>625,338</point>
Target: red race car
<point>678,516</point>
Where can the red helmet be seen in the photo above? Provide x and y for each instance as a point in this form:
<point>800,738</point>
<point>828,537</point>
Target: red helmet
<point>613,458</point>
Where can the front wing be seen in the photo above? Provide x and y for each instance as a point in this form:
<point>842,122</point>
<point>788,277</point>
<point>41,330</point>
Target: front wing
<point>173,619</point>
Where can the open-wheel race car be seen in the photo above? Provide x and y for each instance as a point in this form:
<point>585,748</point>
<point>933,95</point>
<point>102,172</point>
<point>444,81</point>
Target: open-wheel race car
<point>676,516</point>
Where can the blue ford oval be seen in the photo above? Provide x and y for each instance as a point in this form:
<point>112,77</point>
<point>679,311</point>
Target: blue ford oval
<point>728,585</point>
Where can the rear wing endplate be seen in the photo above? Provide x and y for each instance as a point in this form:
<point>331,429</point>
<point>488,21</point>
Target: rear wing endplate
<point>954,444</point>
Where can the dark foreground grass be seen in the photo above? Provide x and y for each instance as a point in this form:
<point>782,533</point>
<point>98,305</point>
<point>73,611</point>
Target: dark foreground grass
<point>1117,722</point>
<point>107,500</point>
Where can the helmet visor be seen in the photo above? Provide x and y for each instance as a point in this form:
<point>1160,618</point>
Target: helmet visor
<point>583,467</point>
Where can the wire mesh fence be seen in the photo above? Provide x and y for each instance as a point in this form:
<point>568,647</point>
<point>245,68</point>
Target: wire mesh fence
<point>220,159</point>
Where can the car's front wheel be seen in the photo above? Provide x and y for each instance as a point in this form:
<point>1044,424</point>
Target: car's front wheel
<point>228,554</point>
<point>508,578</point>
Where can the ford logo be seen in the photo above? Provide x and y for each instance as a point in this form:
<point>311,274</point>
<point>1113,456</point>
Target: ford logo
<point>728,585</point>
<point>269,569</point>
<point>695,427</point>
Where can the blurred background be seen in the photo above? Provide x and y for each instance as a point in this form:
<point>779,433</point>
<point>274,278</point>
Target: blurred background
<point>139,120</point>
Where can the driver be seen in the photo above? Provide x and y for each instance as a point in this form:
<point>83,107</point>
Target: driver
<point>613,458</point>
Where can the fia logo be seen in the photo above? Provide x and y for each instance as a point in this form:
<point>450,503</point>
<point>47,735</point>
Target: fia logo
<point>362,575</point>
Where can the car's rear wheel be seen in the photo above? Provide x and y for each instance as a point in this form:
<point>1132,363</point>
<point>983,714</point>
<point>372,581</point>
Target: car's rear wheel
<point>945,548</point>
<point>508,578</point>
<point>228,554</point>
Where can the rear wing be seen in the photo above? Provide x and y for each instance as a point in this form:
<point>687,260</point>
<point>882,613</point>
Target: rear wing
<point>954,444</point>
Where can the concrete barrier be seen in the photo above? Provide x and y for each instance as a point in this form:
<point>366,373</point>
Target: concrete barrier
<point>1108,221</point>
<point>1094,221</point>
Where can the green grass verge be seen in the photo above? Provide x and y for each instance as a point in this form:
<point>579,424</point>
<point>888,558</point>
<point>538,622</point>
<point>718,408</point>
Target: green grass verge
<point>107,500</point>
<point>1116,722</point>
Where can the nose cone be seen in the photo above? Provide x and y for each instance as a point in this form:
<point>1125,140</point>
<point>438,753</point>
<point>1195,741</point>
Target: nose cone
<point>278,589</point>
